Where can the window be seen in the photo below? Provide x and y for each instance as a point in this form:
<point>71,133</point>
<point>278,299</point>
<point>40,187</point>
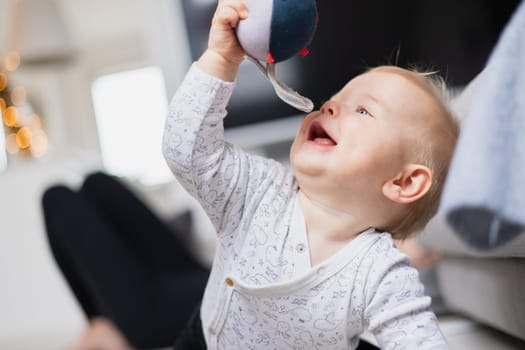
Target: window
<point>130,109</point>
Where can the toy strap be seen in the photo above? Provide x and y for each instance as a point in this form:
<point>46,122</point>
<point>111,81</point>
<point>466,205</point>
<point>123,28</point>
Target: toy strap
<point>284,92</point>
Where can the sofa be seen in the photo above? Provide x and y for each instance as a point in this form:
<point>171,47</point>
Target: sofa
<point>479,231</point>
<point>486,286</point>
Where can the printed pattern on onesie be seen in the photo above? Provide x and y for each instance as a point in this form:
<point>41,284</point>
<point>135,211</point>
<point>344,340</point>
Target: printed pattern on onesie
<point>262,293</point>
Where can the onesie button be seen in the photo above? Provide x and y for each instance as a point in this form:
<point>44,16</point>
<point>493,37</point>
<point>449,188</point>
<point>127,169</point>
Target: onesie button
<point>300,248</point>
<point>229,281</point>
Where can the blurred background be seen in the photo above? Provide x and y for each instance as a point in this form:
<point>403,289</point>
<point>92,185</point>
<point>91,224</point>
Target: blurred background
<point>84,85</point>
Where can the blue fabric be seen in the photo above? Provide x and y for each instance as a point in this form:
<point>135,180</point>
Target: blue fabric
<point>293,27</point>
<point>484,197</point>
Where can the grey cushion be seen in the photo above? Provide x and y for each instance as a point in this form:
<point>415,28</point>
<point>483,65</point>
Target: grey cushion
<point>488,290</point>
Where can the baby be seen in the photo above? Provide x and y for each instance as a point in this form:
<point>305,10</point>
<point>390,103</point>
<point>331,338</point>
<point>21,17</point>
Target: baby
<point>305,258</point>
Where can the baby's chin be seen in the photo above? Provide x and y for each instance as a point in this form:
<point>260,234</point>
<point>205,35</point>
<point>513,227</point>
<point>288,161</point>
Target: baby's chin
<point>302,170</point>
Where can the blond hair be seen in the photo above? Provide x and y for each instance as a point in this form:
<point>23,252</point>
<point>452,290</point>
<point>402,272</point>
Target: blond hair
<point>435,153</point>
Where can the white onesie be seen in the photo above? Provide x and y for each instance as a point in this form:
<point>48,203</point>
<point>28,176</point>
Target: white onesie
<point>263,292</point>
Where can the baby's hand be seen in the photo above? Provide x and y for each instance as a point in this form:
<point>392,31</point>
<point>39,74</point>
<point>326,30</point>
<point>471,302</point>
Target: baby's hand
<point>224,54</point>
<point>222,38</point>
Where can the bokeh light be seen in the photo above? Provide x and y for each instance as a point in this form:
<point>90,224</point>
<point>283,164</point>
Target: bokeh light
<point>12,61</point>
<point>11,116</point>
<point>23,138</point>
<point>18,95</point>
<point>24,128</point>
<point>39,143</point>
<point>10,145</point>
<point>3,81</point>
<point>3,105</point>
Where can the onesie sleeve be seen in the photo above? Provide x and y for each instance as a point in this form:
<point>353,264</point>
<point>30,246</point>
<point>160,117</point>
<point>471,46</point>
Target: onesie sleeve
<point>218,174</point>
<point>397,312</point>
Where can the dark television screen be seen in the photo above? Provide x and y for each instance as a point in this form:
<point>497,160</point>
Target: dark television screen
<point>454,37</point>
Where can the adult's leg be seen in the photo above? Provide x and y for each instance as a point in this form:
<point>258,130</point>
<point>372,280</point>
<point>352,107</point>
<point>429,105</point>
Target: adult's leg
<point>191,337</point>
<point>58,233</point>
<point>147,235</point>
<point>364,345</point>
<point>109,280</point>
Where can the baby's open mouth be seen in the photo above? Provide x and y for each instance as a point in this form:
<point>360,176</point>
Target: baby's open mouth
<point>319,135</point>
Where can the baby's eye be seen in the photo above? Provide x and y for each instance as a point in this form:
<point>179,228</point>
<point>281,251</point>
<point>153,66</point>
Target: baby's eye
<point>363,111</point>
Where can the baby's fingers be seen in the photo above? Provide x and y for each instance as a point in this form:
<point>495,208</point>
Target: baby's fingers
<point>231,11</point>
<point>222,39</point>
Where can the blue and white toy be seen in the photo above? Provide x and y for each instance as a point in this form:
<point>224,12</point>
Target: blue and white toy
<point>275,31</point>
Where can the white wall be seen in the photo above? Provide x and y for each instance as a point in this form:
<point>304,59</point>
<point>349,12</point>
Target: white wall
<point>5,23</point>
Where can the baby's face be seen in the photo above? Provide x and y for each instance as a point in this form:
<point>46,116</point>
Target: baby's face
<point>361,137</point>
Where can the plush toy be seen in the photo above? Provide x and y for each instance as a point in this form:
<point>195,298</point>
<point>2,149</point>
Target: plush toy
<point>274,31</point>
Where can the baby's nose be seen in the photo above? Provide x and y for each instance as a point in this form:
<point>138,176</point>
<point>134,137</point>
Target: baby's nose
<point>331,108</point>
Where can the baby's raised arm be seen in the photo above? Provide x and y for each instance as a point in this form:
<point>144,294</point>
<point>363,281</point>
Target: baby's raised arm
<point>193,144</point>
<point>218,174</point>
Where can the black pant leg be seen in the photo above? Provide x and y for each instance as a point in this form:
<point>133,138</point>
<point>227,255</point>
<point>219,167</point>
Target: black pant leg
<point>104,274</point>
<point>149,305</point>
<point>363,345</point>
<point>191,337</point>
<point>58,234</point>
<point>146,234</point>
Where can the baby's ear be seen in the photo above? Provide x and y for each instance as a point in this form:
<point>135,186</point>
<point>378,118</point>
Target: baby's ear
<point>412,183</point>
